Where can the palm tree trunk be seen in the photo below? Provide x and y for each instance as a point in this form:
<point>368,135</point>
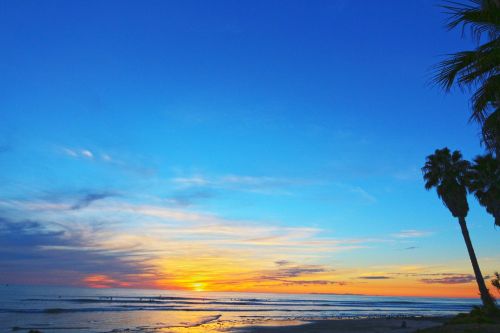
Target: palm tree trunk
<point>485,295</point>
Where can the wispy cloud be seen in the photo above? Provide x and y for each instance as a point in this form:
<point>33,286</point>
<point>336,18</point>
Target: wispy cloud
<point>124,244</point>
<point>450,279</point>
<point>363,194</point>
<point>375,277</point>
<point>107,159</point>
<point>189,197</point>
<point>293,272</point>
<point>28,247</point>
<point>78,153</point>
<point>412,233</point>
<point>255,184</point>
<point>89,198</point>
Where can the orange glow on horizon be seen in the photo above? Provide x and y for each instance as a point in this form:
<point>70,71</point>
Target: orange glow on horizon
<point>103,281</point>
<point>377,288</point>
<point>200,252</point>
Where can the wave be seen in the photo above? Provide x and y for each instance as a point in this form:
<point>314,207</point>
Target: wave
<point>180,302</point>
<point>56,311</point>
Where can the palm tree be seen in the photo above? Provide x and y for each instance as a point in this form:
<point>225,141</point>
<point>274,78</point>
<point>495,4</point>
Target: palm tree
<point>479,68</point>
<point>448,173</point>
<point>485,184</point>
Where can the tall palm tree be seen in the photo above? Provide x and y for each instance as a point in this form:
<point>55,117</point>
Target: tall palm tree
<point>448,173</point>
<point>479,68</point>
<point>485,184</point>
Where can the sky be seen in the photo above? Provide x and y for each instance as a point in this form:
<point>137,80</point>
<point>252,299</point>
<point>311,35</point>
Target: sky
<point>261,146</point>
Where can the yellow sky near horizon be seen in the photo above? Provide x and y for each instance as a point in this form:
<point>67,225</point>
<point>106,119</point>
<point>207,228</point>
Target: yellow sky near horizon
<point>163,248</point>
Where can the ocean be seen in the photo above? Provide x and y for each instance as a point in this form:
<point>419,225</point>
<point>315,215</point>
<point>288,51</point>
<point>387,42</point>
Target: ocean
<point>65,309</point>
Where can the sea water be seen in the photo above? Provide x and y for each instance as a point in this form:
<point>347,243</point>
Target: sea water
<point>65,309</point>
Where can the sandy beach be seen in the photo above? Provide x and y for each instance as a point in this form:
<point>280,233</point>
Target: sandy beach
<point>373,325</point>
<point>378,325</point>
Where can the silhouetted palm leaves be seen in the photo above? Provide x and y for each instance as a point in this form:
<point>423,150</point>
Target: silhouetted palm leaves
<point>485,184</point>
<point>491,132</point>
<point>448,173</point>
<point>477,69</point>
<point>481,16</point>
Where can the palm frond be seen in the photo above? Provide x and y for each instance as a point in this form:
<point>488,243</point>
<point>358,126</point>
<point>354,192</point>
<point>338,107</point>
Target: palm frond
<point>468,67</point>
<point>491,132</point>
<point>485,63</point>
<point>448,173</point>
<point>486,95</point>
<point>481,16</point>
<point>448,70</point>
<point>477,69</point>
<point>485,183</point>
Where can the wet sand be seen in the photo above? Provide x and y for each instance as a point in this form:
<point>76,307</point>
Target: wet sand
<point>379,325</point>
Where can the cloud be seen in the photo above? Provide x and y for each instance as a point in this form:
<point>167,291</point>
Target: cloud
<point>286,273</point>
<point>84,153</point>
<point>251,181</point>
<point>40,252</point>
<point>375,277</point>
<point>255,184</point>
<point>363,194</point>
<point>282,262</point>
<point>89,198</point>
<point>438,278</point>
<point>105,158</point>
<point>450,279</point>
<point>188,198</point>
<point>297,271</point>
<point>196,180</point>
<point>298,275</point>
<point>410,248</point>
<point>357,191</point>
<point>312,282</point>
<point>120,243</point>
<point>104,281</point>
<point>412,234</point>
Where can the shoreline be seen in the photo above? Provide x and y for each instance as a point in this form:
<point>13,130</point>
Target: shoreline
<point>373,325</point>
<point>354,325</point>
<point>313,325</point>
<point>410,324</point>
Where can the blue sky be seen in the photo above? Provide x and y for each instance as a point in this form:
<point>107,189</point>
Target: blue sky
<point>294,114</point>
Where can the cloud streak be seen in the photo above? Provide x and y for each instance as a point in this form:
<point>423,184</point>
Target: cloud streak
<point>375,277</point>
<point>89,198</point>
<point>450,279</point>
<point>245,183</point>
<point>412,234</point>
